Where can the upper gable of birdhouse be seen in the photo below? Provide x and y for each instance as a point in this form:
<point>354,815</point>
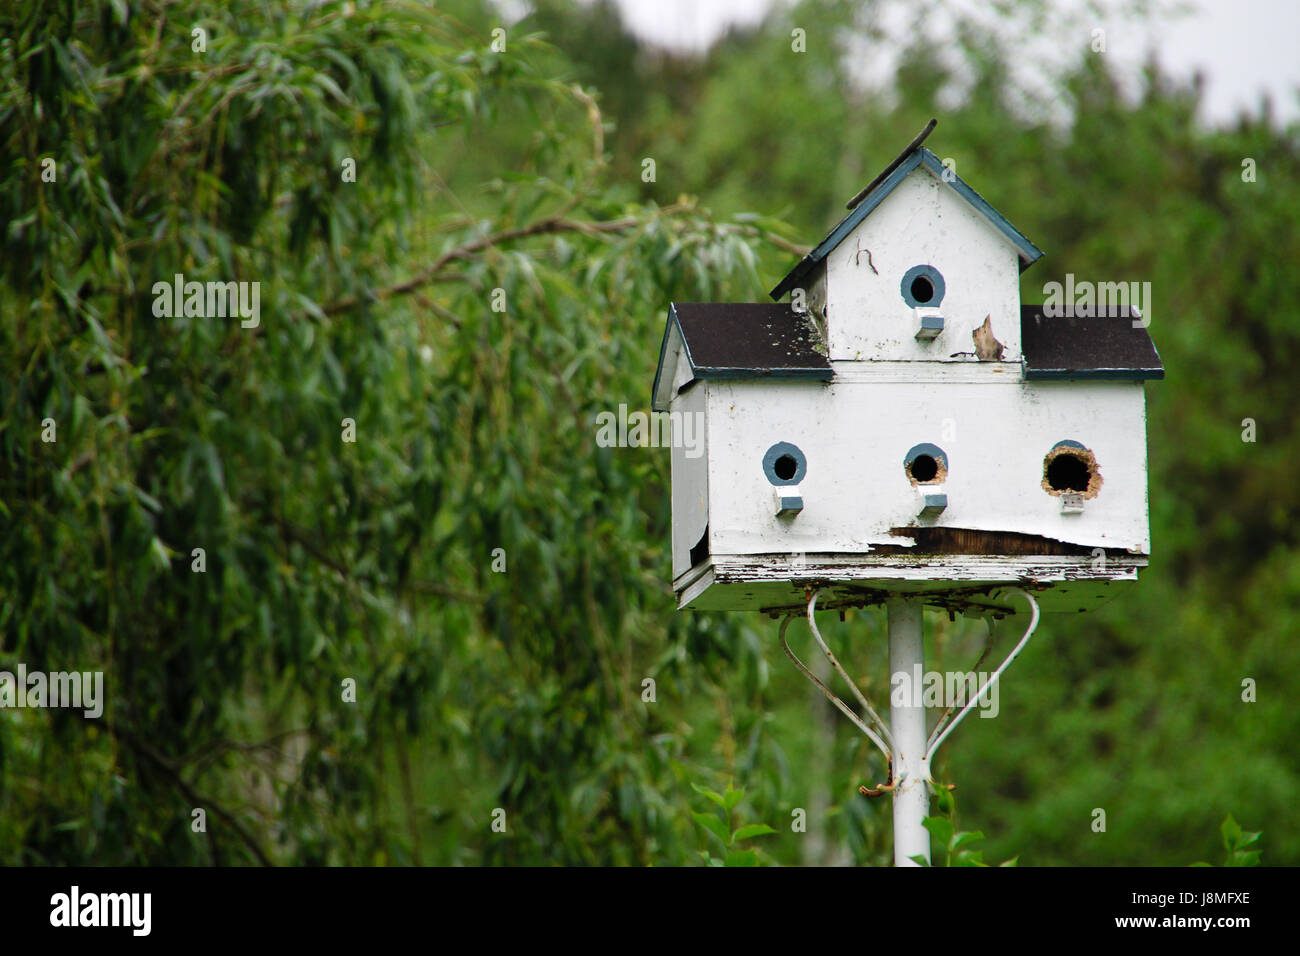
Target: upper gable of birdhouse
<point>921,270</point>
<point>915,270</point>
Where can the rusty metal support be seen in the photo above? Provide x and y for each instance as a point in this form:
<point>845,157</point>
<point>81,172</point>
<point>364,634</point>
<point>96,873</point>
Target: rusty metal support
<point>902,741</point>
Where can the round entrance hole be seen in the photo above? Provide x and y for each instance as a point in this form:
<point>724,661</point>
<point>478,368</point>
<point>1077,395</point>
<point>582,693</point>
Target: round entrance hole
<point>784,464</point>
<point>922,287</point>
<point>924,468</point>
<point>922,290</point>
<point>1068,473</point>
<point>1070,468</point>
<point>926,464</point>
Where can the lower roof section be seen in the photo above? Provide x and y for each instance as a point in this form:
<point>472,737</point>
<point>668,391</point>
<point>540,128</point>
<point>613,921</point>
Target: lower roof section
<point>750,340</point>
<point>1070,342</point>
<point>741,340</point>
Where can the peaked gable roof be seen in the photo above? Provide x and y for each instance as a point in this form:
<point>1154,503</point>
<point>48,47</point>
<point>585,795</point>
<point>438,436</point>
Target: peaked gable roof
<point>866,201</point>
<point>737,340</point>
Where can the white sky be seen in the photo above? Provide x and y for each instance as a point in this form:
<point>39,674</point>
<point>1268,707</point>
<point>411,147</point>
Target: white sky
<point>1242,46</point>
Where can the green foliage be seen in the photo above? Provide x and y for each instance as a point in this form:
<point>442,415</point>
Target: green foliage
<point>720,824</point>
<point>956,846</point>
<point>479,171</point>
<point>1235,844</point>
<point>326,559</point>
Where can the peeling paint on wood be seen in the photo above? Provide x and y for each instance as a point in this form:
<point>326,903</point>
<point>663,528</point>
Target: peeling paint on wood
<point>766,582</point>
<point>941,540</point>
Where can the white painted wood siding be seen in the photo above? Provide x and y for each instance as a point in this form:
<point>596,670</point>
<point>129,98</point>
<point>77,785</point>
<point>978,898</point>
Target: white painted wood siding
<point>922,222</point>
<point>855,434</point>
<point>690,479</point>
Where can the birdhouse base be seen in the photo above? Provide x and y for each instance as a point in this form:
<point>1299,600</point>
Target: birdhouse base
<point>778,582</point>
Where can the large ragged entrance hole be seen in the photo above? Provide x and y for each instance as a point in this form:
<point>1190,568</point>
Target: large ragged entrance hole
<point>924,468</point>
<point>1068,473</point>
<point>1069,468</point>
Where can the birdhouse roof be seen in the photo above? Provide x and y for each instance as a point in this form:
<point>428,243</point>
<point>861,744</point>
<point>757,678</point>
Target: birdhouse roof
<point>1106,345</point>
<point>862,205</point>
<point>736,340</point>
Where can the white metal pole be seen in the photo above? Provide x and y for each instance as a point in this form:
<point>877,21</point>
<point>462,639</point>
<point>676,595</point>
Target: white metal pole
<point>907,723</point>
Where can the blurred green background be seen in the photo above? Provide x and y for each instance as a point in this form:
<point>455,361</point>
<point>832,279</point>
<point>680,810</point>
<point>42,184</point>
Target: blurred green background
<point>520,168</point>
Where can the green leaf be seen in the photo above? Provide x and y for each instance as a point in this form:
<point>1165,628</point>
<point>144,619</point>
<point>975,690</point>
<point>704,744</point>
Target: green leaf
<point>919,860</point>
<point>1231,831</point>
<point>751,830</point>
<point>327,83</point>
<point>160,555</point>
<point>940,828</point>
<point>960,840</point>
<point>714,826</point>
<point>742,858</point>
<point>968,858</point>
<point>1247,838</point>
<point>732,796</point>
<point>944,799</point>
<point>715,797</point>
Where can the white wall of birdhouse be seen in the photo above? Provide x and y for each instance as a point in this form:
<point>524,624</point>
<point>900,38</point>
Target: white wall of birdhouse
<point>922,222</point>
<point>690,474</point>
<point>994,429</point>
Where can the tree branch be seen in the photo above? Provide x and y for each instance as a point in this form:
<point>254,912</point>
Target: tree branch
<point>293,533</point>
<point>190,794</point>
<point>550,225</point>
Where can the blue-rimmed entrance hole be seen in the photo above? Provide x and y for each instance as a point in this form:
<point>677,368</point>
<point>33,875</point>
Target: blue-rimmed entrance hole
<point>784,464</point>
<point>922,287</point>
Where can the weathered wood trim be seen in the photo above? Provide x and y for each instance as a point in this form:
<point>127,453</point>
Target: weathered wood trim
<point>902,567</point>
<point>966,370</point>
<point>942,540</point>
<point>781,581</point>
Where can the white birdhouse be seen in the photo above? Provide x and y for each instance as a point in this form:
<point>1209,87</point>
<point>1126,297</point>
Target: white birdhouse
<point>902,424</point>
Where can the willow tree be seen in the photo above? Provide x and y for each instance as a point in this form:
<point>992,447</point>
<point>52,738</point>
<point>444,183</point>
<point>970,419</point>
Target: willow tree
<point>354,568</point>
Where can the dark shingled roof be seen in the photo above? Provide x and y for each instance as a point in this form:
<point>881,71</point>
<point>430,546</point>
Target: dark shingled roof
<point>755,338</point>
<point>745,340</point>
<point>1105,346</point>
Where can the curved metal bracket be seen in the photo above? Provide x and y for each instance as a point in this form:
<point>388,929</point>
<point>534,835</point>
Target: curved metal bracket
<point>941,731</point>
<point>877,730</point>
<point>830,694</point>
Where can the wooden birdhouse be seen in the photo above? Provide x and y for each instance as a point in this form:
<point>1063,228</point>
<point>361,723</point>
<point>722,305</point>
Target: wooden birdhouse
<point>896,421</point>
